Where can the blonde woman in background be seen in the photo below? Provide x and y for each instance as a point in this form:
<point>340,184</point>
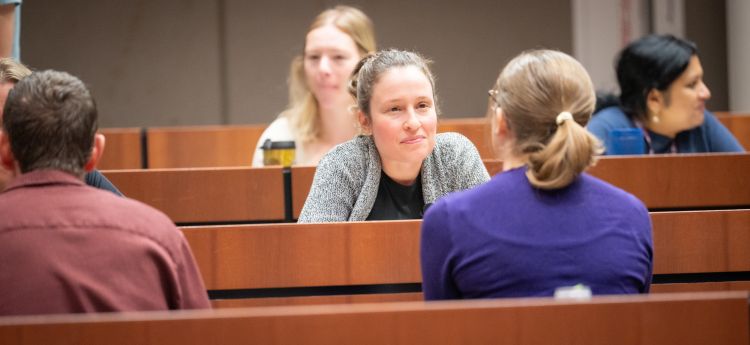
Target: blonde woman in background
<point>542,223</point>
<point>318,116</point>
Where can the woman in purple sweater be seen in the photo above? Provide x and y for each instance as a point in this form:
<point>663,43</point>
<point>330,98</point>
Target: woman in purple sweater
<point>542,223</point>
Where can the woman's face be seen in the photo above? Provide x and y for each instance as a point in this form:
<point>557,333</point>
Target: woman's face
<point>330,58</point>
<point>402,115</point>
<point>682,106</point>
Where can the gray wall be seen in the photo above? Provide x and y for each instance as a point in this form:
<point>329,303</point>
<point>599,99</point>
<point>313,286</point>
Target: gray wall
<point>147,62</point>
<point>185,62</point>
<point>705,24</point>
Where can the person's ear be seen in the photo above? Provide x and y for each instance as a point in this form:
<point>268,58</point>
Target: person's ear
<point>96,153</point>
<point>364,123</point>
<point>7,159</point>
<point>499,123</point>
<point>500,131</point>
<point>654,102</point>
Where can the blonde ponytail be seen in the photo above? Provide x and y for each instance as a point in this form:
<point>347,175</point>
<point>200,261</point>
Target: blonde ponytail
<point>547,97</point>
<point>570,150</point>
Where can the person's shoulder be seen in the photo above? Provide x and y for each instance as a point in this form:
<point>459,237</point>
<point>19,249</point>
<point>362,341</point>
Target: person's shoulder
<point>615,196</point>
<point>613,116</point>
<point>143,220</point>
<point>138,213</point>
<point>450,143</point>
<point>356,148</point>
<point>606,120</point>
<point>465,200</point>
<point>279,130</point>
<point>452,139</point>
<point>352,153</point>
<point>710,119</point>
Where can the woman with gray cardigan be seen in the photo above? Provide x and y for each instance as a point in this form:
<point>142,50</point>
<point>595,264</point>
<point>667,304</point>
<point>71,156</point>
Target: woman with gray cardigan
<point>399,165</point>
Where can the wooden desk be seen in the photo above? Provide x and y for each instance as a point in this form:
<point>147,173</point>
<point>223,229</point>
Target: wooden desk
<point>289,263</point>
<point>685,319</point>
<point>475,129</point>
<point>739,125</point>
<point>215,146</point>
<point>260,256</point>
<point>704,245</point>
<point>302,178</point>
<point>662,182</point>
<point>207,195</point>
<point>202,146</point>
<point>685,181</point>
<point>122,149</point>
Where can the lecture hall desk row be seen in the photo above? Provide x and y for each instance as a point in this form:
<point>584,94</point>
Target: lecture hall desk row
<point>289,264</point>
<point>217,146</point>
<point>684,319</point>
<point>221,146</point>
<point>271,194</point>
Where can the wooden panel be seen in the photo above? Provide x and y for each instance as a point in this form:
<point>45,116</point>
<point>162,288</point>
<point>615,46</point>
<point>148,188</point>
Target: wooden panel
<point>202,146</point>
<point>494,166</point>
<point>122,149</point>
<point>739,125</point>
<point>214,146</point>
<point>302,177</point>
<point>701,287</point>
<point>299,255</point>
<point>686,319</point>
<point>207,194</point>
<point>359,253</point>
<point>685,181</point>
<point>316,300</point>
<point>681,181</point>
<point>476,129</point>
<point>675,181</point>
<point>703,241</point>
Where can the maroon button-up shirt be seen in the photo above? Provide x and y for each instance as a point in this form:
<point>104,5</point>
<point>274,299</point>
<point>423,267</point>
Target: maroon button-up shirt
<point>68,248</point>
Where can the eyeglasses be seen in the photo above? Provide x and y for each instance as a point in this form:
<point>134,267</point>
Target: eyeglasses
<point>493,96</point>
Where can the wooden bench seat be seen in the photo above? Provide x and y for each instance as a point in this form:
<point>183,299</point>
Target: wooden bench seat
<point>123,149</point>
<point>685,319</point>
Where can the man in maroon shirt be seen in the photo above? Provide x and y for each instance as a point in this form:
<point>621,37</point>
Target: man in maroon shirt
<point>66,247</point>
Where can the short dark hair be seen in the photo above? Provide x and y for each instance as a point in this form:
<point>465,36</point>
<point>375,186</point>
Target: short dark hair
<point>652,62</point>
<point>51,120</point>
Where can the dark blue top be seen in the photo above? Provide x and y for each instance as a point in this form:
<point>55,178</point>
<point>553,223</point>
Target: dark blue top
<point>506,238</point>
<point>711,136</point>
<point>95,179</point>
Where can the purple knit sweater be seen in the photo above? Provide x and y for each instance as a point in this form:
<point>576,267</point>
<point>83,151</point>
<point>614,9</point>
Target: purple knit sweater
<point>507,239</point>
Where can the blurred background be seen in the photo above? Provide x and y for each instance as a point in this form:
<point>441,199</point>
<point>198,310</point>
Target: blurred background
<point>190,62</point>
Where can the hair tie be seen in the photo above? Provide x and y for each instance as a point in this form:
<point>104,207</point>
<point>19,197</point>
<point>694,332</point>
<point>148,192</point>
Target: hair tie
<point>565,115</point>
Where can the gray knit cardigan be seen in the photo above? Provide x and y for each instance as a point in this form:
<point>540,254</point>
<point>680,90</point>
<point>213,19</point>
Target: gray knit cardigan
<point>347,178</point>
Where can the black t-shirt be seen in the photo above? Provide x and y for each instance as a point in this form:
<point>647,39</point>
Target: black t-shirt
<point>396,201</point>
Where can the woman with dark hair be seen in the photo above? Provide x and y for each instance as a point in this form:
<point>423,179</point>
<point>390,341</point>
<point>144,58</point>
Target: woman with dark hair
<point>663,94</point>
